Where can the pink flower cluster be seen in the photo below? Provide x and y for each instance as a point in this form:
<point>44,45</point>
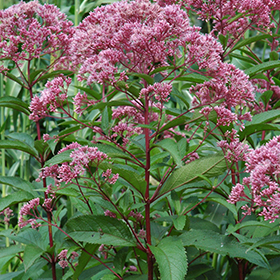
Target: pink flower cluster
<point>136,35</point>
<point>160,91</point>
<point>81,103</point>
<point>233,149</point>
<point>30,30</point>
<point>29,209</point>
<point>263,165</point>
<point>107,175</point>
<point>7,213</point>
<point>52,97</point>
<point>63,260</point>
<point>82,158</point>
<point>231,88</point>
<point>234,17</point>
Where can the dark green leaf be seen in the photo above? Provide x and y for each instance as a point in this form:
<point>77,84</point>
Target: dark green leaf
<point>197,270</point>
<point>262,67</point>
<point>273,56</point>
<point>91,92</point>
<point>225,245</point>
<point>210,166</point>
<point>12,250</point>
<point>14,198</point>
<point>129,174</point>
<point>250,40</point>
<point>17,183</point>
<point>147,78</point>
<point>195,78</point>
<point>170,145</point>
<point>100,230</point>
<point>31,254</point>
<point>84,259</point>
<point>60,158</point>
<point>14,103</point>
<point>54,74</point>
<point>18,145</point>
<point>250,129</point>
<point>171,258</point>
<point>14,78</point>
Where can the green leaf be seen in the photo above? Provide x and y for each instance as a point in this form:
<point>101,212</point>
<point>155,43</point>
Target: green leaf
<point>265,117</point>
<point>268,240</point>
<point>195,78</point>
<point>91,92</point>
<point>266,96</point>
<point>197,270</point>
<point>129,174</point>
<point>171,259</point>
<point>273,56</point>
<point>147,78</point>
<point>105,120</point>
<point>100,230</point>
<point>54,74</point>
<point>31,254</point>
<point>179,222</point>
<point>232,208</point>
<point>60,158</point>
<point>215,242</point>
<point>14,198</point>
<point>14,78</point>
<point>262,67</point>
<point>18,145</point>
<point>35,73</point>
<point>209,166</point>
<point>84,259</point>
<point>250,40</point>
<point>17,183</point>
<point>14,103</point>
<point>170,145</point>
<point>251,129</point>
<point>120,259</point>
<point>174,122</point>
<point>236,227</point>
<point>10,251</point>
<point>176,201</point>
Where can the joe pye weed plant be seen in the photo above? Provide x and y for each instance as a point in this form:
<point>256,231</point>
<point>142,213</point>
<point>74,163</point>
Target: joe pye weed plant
<point>149,146</point>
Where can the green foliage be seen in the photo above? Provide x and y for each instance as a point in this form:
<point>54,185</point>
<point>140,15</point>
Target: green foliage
<point>167,215</point>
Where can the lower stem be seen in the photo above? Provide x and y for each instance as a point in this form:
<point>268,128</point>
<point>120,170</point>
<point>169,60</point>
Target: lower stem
<point>49,215</point>
<point>149,241</point>
<point>240,270</point>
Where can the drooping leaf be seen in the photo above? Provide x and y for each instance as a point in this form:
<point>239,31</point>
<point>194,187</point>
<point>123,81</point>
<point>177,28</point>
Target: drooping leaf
<point>146,77</point>
<point>250,40</point>
<point>171,258</point>
<point>18,145</point>
<point>129,174</point>
<point>236,227</point>
<point>197,270</point>
<point>14,103</point>
<point>14,198</point>
<point>100,230</point>
<point>12,250</point>
<point>210,166</point>
<point>254,128</point>
<point>215,242</point>
<point>84,259</point>
<point>31,254</point>
<point>170,145</point>
<point>262,67</point>
<point>54,74</point>
<point>60,158</point>
<point>17,183</point>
